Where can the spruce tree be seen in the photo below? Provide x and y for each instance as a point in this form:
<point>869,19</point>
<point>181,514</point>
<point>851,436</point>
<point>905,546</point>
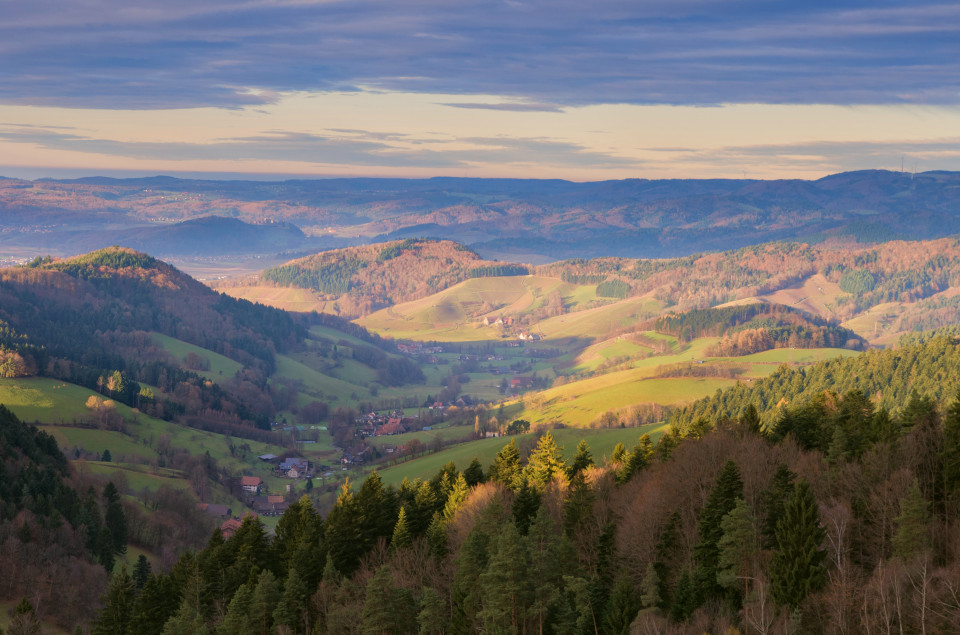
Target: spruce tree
<point>506,466</point>
<point>525,505</point>
<point>505,585</point>
<point>798,562</point>
<point>141,571</point>
<point>912,536</point>
<point>264,602</point>
<point>458,494</point>
<point>750,419</point>
<point>474,473</point>
<point>723,498</point>
<point>114,518</point>
<point>951,447</point>
<point>545,462</point>
<point>401,532</point>
<point>432,617</point>
<point>623,607</point>
<point>237,619</point>
<point>581,460</point>
<point>774,500</point>
<point>292,606</point>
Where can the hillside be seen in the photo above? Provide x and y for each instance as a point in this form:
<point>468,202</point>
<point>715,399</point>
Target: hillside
<point>359,280</point>
<point>526,220</point>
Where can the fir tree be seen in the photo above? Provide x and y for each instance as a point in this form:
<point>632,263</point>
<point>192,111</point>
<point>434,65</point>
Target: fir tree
<point>237,619</point>
<point>432,617</point>
<point>264,601</point>
<point>505,585</point>
<point>474,473</point>
<point>25,621</point>
<point>623,607</point>
<point>386,608</point>
<point>525,505</point>
<point>798,562</point>
<point>774,500</point>
<point>114,518</point>
<point>737,547</point>
<point>437,537</point>
<point>141,571</point>
<point>750,419</point>
<point>545,462</point>
<point>951,447</point>
<point>723,498</point>
<point>581,460</point>
<point>912,537</point>
<point>401,532</point>
<point>506,466</point>
<point>458,494</point>
<point>292,607</point>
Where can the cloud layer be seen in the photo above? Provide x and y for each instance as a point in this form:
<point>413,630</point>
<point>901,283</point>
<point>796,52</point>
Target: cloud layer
<point>544,54</point>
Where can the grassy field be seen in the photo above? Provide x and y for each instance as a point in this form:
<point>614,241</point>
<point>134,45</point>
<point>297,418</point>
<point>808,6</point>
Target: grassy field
<point>601,444</point>
<point>220,367</point>
<point>323,386</point>
<point>600,321</point>
<point>45,400</point>
<point>286,298</point>
<point>139,477</point>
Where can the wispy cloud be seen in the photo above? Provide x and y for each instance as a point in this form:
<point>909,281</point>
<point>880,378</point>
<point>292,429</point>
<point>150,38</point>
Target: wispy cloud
<point>554,53</point>
<point>343,147</point>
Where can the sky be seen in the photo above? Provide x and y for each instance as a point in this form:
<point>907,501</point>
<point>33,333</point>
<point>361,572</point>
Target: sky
<point>605,89</point>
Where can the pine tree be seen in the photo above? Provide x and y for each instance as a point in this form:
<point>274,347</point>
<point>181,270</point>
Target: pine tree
<point>106,456</point>
<point>750,419</point>
<point>951,447</point>
<point>432,617</point>
<point>458,494</point>
<point>723,498</point>
<point>437,537</point>
<point>386,608</point>
<point>650,587</point>
<point>401,532</point>
<point>545,462</point>
<point>114,518</point>
<point>156,604</point>
<point>474,473</point>
<point>736,549</point>
<point>505,586</point>
<point>912,537</point>
<point>581,460</point>
<point>141,571</point>
<point>525,505</point>
<point>343,532</point>
<point>623,607</point>
<point>506,466</point>
<point>774,500</point>
<point>798,562</point>
<point>263,602</point>
<point>237,619</point>
<point>619,454</point>
<point>24,620</point>
<point>292,606</point>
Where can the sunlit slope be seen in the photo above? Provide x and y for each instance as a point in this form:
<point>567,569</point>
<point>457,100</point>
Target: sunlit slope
<point>652,380</point>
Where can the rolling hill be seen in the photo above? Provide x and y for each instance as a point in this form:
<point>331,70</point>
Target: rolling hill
<point>527,220</point>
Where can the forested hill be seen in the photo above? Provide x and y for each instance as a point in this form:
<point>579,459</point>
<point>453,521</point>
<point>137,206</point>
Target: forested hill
<point>888,378</point>
<point>506,218</point>
<point>364,279</point>
<point>724,529</point>
<point>85,319</point>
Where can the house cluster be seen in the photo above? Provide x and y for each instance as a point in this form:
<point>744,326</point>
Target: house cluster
<point>379,425</point>
<point>269,505</point>
<point>529,337</point>
<point>417,348</point>
<point>497,321</point>
<point>294,468</point>
<point>357,454</point>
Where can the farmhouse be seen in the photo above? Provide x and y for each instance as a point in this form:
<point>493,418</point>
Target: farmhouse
<point>252,484</point>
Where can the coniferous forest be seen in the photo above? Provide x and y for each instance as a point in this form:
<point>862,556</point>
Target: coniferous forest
<point>820,513</point>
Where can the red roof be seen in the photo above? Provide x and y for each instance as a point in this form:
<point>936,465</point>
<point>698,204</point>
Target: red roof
<point>253,481</point>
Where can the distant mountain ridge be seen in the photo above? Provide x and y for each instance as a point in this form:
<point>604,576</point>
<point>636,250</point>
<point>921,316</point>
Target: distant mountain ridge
<point>531,220</point>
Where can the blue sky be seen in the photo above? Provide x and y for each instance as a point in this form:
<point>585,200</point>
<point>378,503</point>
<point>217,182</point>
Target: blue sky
<point>417,87</point>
